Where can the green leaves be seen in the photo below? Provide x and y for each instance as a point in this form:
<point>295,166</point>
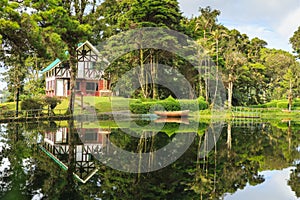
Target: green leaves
<point>295,41</point>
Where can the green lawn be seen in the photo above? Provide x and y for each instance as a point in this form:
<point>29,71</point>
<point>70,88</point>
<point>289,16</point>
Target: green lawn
<point>102,104</point>
<point>62,107</point>
<point>106,104</point>
<point>8,106</point>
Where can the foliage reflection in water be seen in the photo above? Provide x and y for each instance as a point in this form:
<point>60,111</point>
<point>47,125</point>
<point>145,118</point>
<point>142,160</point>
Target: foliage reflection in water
<point>50,161</point>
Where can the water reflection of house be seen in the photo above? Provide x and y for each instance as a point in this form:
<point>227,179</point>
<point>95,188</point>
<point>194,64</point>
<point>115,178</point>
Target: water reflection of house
<point>88,142</point>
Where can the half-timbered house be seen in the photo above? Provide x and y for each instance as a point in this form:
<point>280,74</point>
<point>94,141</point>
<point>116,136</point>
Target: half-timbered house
<point>89,80</point>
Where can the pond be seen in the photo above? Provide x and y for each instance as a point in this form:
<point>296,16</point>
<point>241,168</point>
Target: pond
<point>145,160</point>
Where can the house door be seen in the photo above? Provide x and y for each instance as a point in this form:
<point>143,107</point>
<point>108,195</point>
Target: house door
<point>59,87</point>
<point>66,87</point>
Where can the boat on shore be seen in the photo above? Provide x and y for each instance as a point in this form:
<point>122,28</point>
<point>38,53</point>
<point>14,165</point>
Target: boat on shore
<point>183,120</point>
<point>181,113</point>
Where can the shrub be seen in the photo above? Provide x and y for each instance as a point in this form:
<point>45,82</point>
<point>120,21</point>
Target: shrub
<point>170,98</point>
<point>168,104</point>
<point>272,104</point>
<point>189,105</point>
<point>140,108</point>
<point>52,101</point>
<point>296,104</point>
<point>283,105</point>
<point>193,105</point>
<point>32,104</point>
<point>202,103</point>
<point>258,106</point>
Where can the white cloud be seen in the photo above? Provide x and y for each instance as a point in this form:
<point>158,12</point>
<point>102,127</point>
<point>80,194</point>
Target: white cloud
<point>290,23</point>
<point>273,38</point>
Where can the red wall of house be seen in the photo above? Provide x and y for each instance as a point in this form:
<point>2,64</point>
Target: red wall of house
<point>102,85</point>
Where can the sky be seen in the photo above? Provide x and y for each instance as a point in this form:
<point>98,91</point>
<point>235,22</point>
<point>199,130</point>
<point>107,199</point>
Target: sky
<point>274,187</point>
<point>274,21</point>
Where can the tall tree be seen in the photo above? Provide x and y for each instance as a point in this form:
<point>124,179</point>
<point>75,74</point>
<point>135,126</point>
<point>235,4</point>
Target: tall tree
<point>20,37</point>
<point>64,25</point>
<point>131,14</point>
<point>277,63</point>
<point>290,83</point>
<point>235,61</point>
<point>295,41</point>
<point>251,86</point>
<point>206,31</point>
<point>206,22</point>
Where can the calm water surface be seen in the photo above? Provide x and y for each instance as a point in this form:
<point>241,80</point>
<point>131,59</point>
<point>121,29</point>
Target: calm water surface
<point>245,160</point>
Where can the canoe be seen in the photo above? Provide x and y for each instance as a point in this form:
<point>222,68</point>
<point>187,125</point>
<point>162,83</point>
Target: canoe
<point>178,120</point>
<point>181,113</point>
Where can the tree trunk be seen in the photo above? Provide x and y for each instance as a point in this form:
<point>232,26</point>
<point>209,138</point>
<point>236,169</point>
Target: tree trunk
<point>206,81</point>
<point>17,101</point>
<point>154,66</point>
<point>290,96</point>
<point>217,70</point>
<point>69,190</point>
<point>230,92</point>
<point>142,73</point>
<point>73,73</point>
<point>229,138</point>
<point>200,83</point>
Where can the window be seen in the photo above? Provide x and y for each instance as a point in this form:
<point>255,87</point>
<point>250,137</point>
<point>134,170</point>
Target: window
<point>90,136</point>
<point>91,86</point>
<point>77,87</point>
<point>93,65</point>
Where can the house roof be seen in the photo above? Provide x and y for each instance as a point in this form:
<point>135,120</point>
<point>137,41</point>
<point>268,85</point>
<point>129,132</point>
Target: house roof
<point>58,61</point>
<point>49,67</point>
<point>89,45</point>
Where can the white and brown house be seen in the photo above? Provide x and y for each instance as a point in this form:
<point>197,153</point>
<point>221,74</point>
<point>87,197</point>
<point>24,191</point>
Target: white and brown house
<point>89,80</point>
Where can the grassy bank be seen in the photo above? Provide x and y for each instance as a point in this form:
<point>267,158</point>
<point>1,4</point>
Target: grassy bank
<point>106,104</point>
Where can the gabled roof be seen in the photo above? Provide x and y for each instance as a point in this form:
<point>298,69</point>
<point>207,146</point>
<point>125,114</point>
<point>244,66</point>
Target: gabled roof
<point>89,45</point>
<point>58,61</point>
<point>52,65</point>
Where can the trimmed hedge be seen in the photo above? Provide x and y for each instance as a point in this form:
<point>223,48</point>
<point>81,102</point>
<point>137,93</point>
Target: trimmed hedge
<point>140,108</point>
<point>296,104</point>
<point>282,104</point>
<point>168,104</point>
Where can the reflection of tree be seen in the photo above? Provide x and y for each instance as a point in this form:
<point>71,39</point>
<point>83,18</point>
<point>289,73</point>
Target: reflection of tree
<point>15,176</point>
<point>223,170</point>
<point>31,172</point>
<point>70,189</point>
<point>294,181</point>
<point>229,139</point>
